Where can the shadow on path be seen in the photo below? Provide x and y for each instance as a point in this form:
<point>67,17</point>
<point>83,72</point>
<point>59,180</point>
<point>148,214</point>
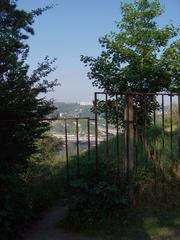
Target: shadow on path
<point>46,227</point>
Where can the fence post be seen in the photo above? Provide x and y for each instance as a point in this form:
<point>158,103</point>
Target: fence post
<point>96,133</point>
<point>129,135</point>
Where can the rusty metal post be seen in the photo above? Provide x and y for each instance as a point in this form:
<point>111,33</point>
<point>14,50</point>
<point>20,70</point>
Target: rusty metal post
<point>129,135</point>
<point>117,140</point>
<point>77,143</point>
<point>154,111</point>
<point>145,124</point>
<point>163,134</point>
<point>67,157</point>
<point>89,143</point>
<point>171,132</point>
<point>136,134</point>
<point>96,135</point>
<point>179,129</point>
<point>107,134</point>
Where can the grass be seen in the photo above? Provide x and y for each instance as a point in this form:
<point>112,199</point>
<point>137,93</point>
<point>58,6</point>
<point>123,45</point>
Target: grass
<point>46,183</point>
<point>147,226</point>
<point>151,218</point>
<point>144,164</point>
<point>150,221</point>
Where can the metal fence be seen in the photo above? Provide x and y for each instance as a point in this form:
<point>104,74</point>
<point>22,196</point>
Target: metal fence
<point>140,131</point>
<point>146,134</point>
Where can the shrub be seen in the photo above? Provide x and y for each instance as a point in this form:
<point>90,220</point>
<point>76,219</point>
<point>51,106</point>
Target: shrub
<point>101,203</point>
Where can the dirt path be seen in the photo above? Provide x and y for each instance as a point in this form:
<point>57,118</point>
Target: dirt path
<point>46,227</point>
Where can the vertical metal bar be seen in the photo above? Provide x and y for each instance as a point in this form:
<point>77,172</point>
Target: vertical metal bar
<point>67,157</point>
<point>117,139</point>
<point>89,142</point>
<point>77,138</point>
<point>107,133</point>
<point>136,132</point>
<point>153,151</point>
<point>145,124</point>
<point>154,111</point>
<point>96,135</point>
<point>154,146</point>
<point>163,135</point>
<point>179,128</point>
<point>129,141</point>
<point>163,144</point>
<point>127,138</point>
<point>171,129</point>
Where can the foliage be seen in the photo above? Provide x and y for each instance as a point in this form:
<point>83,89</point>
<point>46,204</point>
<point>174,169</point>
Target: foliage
<point>155,220</point>
<point>131,60</point>
<point>175,112</point>
<point>22,109</point>
<point>109,199</point>
<point>16,206</point>
<point>48,147</point>
<point>91,204</point>
<point>45,175</point>
<point>170,59</point>
<point>137,57</point>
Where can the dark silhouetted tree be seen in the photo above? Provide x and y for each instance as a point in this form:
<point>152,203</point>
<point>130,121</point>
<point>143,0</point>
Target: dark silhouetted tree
<point>22,109</point>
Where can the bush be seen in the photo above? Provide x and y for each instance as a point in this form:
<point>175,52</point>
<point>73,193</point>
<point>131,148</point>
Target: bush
<point>101,203</point>
<point>15,209</point>
<point>27,191</point>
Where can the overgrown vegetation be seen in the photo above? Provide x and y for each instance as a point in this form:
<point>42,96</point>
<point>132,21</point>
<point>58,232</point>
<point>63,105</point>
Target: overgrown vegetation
<point>109,205</point>
<point>151,196</point>
<point>21,110</point>
<point>45,175</point>
<point>32,174</point>
<point>155,217</point>
<point>136,58</point>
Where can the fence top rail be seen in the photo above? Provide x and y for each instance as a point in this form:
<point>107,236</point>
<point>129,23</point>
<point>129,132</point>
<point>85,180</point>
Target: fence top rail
<point>48,119</point>
<point>75,118</point>
<point>142,93</point>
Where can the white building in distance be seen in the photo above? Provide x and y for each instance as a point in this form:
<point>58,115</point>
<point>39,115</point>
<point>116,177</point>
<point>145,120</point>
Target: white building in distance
<point>86,103</point>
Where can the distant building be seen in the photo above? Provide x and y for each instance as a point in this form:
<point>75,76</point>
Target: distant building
<point>86,103</point>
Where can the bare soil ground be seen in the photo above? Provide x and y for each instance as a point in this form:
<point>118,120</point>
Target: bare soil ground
<point>46,228</point>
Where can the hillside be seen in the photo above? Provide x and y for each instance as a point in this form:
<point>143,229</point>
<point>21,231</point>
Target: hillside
<point>73,109</point>
<point>78,110</point>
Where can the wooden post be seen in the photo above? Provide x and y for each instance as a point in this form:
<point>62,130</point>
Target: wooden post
<point>129,135</point>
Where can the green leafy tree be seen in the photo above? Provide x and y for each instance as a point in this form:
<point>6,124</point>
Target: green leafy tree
<point>138,57</point>
<point>22,109</point>
<point>171,64</point>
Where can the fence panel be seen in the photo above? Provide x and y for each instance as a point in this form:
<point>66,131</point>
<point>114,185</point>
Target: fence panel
<point>129,131</point>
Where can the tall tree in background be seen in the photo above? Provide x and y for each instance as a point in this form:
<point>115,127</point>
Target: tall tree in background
<point>21,109</point>
<point>139,56</point>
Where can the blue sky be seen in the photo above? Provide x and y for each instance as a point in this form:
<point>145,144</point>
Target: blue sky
<point>72,28</point>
